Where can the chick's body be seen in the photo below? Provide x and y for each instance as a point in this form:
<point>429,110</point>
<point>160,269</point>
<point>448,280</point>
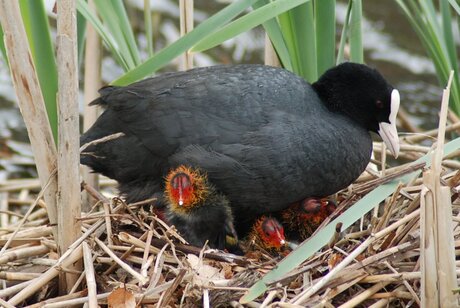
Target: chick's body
<point>196,209</point>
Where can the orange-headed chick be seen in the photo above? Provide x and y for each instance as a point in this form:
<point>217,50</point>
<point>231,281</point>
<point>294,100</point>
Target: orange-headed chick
<point>266,233</point>
<point>196,209</point>
<point>301,219</point>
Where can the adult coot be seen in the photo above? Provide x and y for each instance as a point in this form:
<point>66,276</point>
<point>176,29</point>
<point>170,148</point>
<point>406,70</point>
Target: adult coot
<point>265,137</point>
<point>197,210</point>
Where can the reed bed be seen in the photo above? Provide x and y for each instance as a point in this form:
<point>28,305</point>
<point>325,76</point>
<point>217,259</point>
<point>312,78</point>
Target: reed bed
<point>131,257</point>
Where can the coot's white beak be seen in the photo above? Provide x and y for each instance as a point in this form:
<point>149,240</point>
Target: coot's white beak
<point>388,131</point>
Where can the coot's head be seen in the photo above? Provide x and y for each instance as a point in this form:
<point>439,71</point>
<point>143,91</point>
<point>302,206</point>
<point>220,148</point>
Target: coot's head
<point>362,93</point>
<point>270,232</point>
<point>185,188</point>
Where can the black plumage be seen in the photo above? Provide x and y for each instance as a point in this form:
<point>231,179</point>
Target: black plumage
<point>265,137</point>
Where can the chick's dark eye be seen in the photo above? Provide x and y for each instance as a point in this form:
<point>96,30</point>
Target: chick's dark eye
<point>379,104</point>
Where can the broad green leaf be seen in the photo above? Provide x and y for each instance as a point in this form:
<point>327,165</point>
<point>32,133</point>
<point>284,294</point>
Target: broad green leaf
<point>356,35</point>
<point>436,36</point>
<point>38,33</point>
<point>325,34</point>
<point>148,27</point>
<point>2,47</point>
<point>304,38</point>
<point>273,30</point>
<point>164,56</point>
<point>247,22</point>
<point>106,36</point>
<point>455,5</point>
<point>115,20</point>
<point>81,35</point>
<point>344,35</point>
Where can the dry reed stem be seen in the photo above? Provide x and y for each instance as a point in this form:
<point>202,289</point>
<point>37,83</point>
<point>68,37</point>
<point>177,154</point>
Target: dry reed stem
<point>92,82</point>
<point>128,238</point>
<point>68,196</point>
<point>437,249</point>
<point>13,276</point>
<point>125,255</point>
<point>270,55</point>
<point>364,295</point>
<point>90,276</point>
<point>169,292</point>
<point>4,221</point>
<point>5,304</point>
<point>14,289</point>
<point>108,223</point>
<point>158,268</point>
<point>145,256</point>
<point>23,253</point>
<point>186,25</point>
<point>39,282</point>
<point>70,300</point>
<point>59,299</point>
<point>429,134</point>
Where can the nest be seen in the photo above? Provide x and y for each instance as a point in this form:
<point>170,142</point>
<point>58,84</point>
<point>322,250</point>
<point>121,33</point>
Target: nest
<point>127,256</point>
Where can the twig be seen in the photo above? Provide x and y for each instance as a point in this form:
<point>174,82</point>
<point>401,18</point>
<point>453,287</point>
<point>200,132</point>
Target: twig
<point>122,264</point>
<point>169,292</point>
<point>100,140</point>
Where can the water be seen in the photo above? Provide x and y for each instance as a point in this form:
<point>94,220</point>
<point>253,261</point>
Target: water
<point>390,45</point>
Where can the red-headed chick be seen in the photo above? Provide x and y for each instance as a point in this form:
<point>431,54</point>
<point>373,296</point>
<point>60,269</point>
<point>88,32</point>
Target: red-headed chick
<point>196,209</point>
<point>266,233</point>
<point>301,219</point>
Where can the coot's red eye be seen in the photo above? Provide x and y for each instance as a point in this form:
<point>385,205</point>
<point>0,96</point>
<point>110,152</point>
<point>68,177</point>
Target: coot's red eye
<point>379,104</point>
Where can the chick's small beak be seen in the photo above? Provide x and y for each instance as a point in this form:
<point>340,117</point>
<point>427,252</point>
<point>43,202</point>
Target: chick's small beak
<point>388,131</point>
<point>280,236</point>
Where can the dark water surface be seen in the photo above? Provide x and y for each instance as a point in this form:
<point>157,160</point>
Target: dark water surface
<point>390,45</point>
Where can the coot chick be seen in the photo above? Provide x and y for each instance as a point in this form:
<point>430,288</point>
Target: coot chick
<point>265,137</point>
<point>301,219</point>
<point>267,233</point>
<point>196,209</point>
